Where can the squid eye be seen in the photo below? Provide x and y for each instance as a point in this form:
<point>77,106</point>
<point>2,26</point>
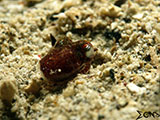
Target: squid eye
<point>88,49</point>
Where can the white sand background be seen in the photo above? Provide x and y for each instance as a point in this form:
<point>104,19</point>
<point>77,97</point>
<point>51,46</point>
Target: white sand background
<point>124,76</point>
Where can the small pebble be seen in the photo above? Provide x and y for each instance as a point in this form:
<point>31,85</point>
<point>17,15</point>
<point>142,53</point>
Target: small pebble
<point>135,89</point>
<point>8,90</point>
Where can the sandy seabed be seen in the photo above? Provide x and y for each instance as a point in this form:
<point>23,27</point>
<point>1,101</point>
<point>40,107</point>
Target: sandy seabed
<point>124,77</point>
